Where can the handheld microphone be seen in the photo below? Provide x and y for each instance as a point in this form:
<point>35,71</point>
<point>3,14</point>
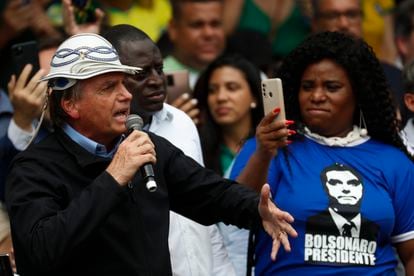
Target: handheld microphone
<point>135,122</point>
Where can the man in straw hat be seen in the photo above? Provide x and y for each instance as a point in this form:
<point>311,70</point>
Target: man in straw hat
<point>76,202</point>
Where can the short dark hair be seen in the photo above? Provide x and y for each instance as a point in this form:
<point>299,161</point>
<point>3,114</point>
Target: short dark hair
<point>339,167</point>
<point>404,19</point>
<point>176,6</point>
<point>118,34</point>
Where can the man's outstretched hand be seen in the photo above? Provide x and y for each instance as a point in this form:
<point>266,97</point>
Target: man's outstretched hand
<point>276,222</point>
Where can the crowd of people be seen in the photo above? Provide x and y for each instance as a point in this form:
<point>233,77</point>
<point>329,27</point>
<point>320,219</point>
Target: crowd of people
<point>326,191</point>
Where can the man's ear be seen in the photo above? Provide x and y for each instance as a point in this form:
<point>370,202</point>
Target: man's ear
<point>70,107</point>
<point>172,30</point>
<point>409,101</point>
<point>401,44</point>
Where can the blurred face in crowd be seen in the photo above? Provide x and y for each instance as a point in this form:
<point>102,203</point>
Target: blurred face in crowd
<point>405,46</point>
<point>230,97</point>
<point>338,15</point>
<point>148,86</point>
<point>101,111</point>
<point>198,34</point>
<point>326,99</point>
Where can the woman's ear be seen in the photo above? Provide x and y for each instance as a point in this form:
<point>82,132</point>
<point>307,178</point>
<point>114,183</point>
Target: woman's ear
<point>409,101</point>
<point>70,107</point>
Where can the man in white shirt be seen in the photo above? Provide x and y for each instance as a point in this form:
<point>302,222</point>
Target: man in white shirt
<point>407,133</point>
<point>195,249</point>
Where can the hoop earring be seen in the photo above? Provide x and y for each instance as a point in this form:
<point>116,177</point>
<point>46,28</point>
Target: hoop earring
<point>362,124</point>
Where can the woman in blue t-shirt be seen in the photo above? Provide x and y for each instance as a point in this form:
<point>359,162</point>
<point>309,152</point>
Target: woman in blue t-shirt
<point>343,173</point>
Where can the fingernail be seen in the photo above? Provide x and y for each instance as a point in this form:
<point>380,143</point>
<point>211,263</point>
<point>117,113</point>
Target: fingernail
<point>289,122</point>
<point>185,96</point>
<point>289,142</point>
<point>291,132</point>
<point>276,110</point>
<point>194,101</point>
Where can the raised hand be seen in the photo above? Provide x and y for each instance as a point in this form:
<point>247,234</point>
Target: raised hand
<point>16,16</point>
<point>272,135</point>
<point>276,222</point>
<point>189,105</point>
<point>72,28</point>
<point>27,97</point>
<point>40,23</point>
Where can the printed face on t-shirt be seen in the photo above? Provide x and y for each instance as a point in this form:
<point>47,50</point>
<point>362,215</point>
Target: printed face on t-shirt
<point>344,186</point>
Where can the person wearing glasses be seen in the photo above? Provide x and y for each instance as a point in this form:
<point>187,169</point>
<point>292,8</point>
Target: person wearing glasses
<point>347,17</point>
<point>337,15</point>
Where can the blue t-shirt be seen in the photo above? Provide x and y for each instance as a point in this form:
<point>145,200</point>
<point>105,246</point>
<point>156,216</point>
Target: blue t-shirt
<point>374,200</point>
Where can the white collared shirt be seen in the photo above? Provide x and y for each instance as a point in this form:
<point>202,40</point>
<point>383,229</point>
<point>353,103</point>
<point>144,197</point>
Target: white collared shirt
<point>19,137</point>
<point>407,135</point>
<point>195,249</point>
<point>340,221</point>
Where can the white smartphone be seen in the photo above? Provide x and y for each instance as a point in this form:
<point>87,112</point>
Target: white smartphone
<point>177,84</point>
<point>272,95</point>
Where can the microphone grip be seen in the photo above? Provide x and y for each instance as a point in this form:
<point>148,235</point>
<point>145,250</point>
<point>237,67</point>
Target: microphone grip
<point>147,173</point>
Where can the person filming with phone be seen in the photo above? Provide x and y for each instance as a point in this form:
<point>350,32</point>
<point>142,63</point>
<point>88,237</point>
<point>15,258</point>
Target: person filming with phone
<point>344,174</point>
<point>77,202</point>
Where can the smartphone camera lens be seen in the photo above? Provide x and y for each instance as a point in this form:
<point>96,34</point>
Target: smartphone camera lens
<point>18,50</point>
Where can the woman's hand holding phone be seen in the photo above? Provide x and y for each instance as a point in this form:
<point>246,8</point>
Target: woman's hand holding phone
<point>189,105</point>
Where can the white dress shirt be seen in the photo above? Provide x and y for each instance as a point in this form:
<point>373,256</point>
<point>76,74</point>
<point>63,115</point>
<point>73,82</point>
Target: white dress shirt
<point>195,249</point>
<point>340,221</point>
<point>407,135</point>
<point>19,137</point>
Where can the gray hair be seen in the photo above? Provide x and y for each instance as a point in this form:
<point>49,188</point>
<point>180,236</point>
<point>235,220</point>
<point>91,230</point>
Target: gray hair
<point>58,115</point>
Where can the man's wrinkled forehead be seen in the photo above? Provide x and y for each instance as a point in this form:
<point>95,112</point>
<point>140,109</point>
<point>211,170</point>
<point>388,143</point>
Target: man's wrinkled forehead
<point>335,5</point>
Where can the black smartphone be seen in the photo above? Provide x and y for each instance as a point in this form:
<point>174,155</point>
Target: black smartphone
<point>25,53</point>
<point>5,265</point>
<point>84,11</point>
